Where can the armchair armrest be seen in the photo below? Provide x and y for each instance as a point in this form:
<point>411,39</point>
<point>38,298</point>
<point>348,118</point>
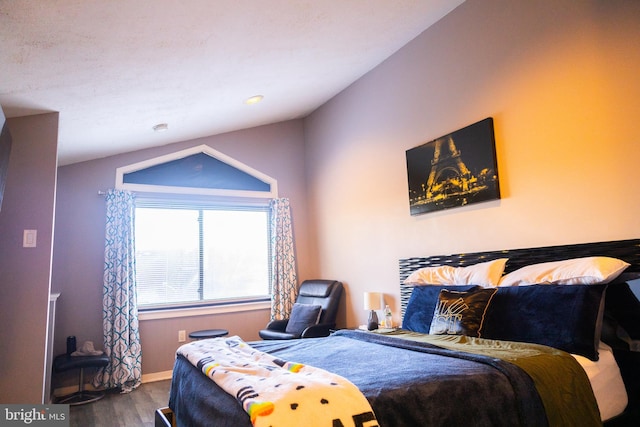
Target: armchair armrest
<point>275,330</point>
<point>319,330</point>
<point>278,325</point>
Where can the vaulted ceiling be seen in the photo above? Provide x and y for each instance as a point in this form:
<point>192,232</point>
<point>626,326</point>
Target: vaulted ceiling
<point>115,69</point>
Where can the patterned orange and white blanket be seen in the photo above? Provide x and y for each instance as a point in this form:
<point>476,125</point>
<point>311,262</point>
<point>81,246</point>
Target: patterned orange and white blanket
<point>276,392</point>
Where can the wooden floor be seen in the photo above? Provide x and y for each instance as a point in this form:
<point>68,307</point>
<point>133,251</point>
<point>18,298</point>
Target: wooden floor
<point>135,409</point>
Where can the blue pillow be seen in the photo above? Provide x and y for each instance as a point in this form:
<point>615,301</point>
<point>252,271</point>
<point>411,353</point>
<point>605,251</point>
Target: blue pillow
<point>567,317</point>
<point>422,304</point>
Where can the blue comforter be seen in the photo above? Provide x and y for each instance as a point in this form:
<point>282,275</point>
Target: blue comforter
<point>407,383</point>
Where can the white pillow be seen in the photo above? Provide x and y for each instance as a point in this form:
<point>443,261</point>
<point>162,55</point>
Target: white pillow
<point>576,271</point>
<point>486,274</point>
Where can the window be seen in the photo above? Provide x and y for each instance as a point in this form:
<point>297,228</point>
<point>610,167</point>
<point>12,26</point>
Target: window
<point>200,254</point>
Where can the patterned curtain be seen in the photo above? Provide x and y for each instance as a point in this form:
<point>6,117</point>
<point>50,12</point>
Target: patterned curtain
<point>283,261</point>
<point>120,308</point>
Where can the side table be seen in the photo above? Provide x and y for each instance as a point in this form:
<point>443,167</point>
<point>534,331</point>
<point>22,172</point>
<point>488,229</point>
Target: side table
<point>208,333</point>
<point>64,362</point>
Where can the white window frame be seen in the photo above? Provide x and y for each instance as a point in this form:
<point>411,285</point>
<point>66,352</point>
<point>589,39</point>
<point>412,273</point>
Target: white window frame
<point>228,196</point>
<point>206,305</point>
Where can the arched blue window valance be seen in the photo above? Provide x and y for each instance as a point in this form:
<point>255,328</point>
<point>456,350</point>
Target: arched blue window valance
<point>197,170</point>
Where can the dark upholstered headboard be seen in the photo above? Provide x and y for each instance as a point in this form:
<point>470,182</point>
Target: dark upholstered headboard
<point>626,250</point>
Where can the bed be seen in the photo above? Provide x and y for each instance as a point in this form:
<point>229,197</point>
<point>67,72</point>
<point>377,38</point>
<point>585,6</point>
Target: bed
<point>555,365</point>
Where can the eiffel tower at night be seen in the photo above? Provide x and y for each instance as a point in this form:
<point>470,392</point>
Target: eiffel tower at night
<point>454,170</point>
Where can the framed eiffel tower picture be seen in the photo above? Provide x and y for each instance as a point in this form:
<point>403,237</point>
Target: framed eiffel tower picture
<point>454,170</point>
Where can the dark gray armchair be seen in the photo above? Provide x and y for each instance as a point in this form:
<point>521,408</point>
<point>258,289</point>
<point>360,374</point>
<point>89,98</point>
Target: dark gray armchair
<point>314,314</point>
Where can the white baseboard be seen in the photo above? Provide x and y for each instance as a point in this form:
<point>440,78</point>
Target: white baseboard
<point>146,378</point>
<point>157,376</point>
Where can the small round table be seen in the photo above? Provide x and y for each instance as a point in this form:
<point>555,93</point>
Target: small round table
<point>65,362</point>
<point>208,333</point>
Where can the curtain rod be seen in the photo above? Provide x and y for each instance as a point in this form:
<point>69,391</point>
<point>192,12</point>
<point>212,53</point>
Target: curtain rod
<point>240,200</point>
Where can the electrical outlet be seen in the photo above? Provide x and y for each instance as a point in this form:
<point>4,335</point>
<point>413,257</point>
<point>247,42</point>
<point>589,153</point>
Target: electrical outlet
<point>182,335</point>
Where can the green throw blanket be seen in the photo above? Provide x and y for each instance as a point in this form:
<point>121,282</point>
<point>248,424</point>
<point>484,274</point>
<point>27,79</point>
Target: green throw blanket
<point>560,380</point>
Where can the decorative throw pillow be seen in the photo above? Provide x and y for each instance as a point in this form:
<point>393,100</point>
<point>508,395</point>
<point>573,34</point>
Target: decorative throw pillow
<point>485,274</point>
<point>302,316</point>
<point>575,271</point>
<point>461,313</point>
<point>423,301</point>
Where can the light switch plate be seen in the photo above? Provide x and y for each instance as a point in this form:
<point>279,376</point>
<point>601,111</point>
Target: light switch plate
<point>29,238</point>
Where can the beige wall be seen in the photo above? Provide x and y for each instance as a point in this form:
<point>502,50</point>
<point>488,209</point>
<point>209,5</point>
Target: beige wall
<point>560,79</point>
<point>276,150</point>
<point>25,273</point>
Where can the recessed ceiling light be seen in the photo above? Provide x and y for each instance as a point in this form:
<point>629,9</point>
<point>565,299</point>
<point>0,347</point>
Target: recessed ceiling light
<point>161,127</point>
<point>254,99</point>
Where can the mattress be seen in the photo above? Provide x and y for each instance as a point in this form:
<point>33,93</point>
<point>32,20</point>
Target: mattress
<point>606,382</point>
